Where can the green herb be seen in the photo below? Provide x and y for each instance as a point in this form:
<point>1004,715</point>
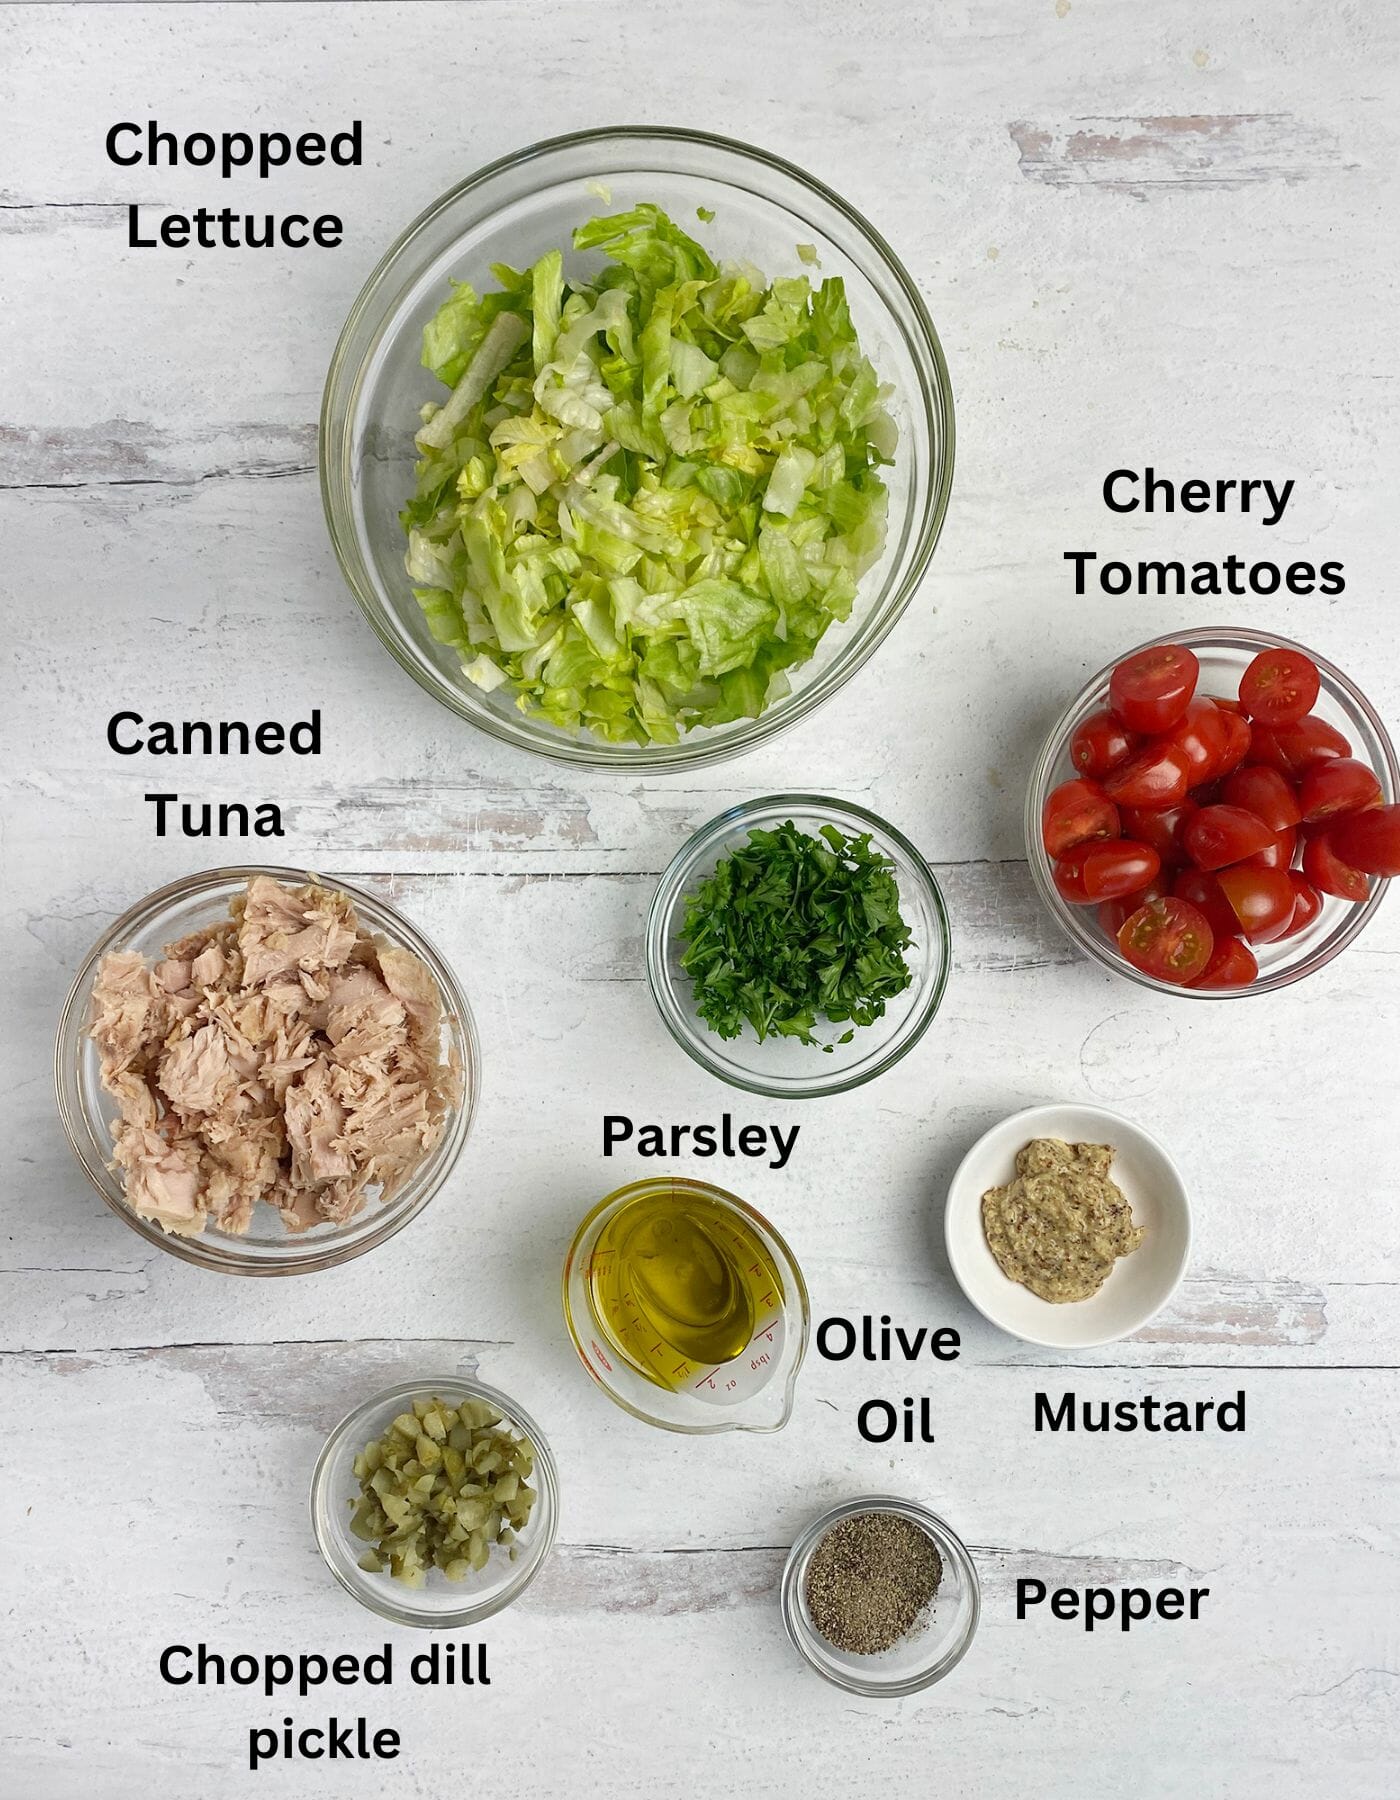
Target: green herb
<point>650,492</point>
<point>791,928</point>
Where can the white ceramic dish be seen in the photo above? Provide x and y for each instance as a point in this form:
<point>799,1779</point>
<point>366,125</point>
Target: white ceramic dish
<point>1141,1284</point>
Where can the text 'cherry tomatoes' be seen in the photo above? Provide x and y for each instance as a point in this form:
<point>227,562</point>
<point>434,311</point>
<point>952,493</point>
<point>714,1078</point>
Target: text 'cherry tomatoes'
<point>1280,686</point>
<point>1102,871</point>
<point>1167,938</point>
<point>1073,813</point>
<point>1151,689</point>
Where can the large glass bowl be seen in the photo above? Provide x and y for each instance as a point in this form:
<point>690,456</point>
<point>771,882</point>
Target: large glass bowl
<point>1224,654</point>
<point>781,1066</point>
<point>267,1248</point>
<point>516,209</point>
<point>440,1603</point>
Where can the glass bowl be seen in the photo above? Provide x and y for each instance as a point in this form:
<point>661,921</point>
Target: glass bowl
<point>1224,653</point>
<point>753,1392</point>
<point>514,210</point>
<point>439,1602</point>
<point>778,1066</point>
<point>929,1651</point>
<point>267,1248</point>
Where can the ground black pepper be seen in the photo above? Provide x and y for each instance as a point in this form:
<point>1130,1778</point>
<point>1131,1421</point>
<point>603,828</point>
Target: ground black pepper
<point>869,1580</point>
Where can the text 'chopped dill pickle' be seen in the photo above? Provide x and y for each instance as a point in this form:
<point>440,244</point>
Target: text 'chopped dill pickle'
<point>441,1486</point>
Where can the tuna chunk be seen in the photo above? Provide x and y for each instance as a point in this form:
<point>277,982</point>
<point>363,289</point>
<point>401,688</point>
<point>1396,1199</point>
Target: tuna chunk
<point>285,930</point>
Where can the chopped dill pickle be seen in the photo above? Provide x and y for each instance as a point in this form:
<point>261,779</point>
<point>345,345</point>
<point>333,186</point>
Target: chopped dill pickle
<point>440,1489</point>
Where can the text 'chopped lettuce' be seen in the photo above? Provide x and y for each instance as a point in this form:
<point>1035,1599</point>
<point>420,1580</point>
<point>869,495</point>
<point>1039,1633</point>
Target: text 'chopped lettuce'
<point>648,494</point>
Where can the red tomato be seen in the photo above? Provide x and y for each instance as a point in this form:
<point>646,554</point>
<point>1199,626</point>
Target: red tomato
<point>1262,900</point>
<point>1237,737</point>
<point>1280,686</point>
<point>1112,913</point>
<point>1150,689</point>
<point>1100,744</point>
<point>1097,871</point>
<point>1370,841</point>
<point>1167,938</point>
<point>1217,835</point>
<point>1276,855</point>
<point>1307,903</point>
<point>1202,891</point>
<point>1293,749</point>
<point>1230,706</point>
<point>1200,734</point>
<point>1339,785</point>
<point>1232,964</point>
<point>1154,778</point>
<point>1263,792</point>
<point>1073,813</point>
<point>1326,870</point>
<point>1160,828</point>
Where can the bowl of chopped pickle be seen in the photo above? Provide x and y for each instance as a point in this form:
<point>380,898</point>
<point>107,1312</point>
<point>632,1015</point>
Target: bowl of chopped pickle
<point>435,1503</point>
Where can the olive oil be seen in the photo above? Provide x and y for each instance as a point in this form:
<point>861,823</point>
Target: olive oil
<point>679,1282</point>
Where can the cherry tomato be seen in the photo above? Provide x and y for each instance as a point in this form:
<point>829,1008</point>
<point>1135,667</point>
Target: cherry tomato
<point>1202,891</point>
<point>1232,964</point>
<point>1112,913</point>
<point>1098,871</point>
<point>1280,686</point>
<point>1237,736</point>
<point>1307,903</point>
<point>1161,828</point>
<point>1276,855</point>
<point>1150,689</point>
<point>1263,792</point>
<point>1200,734</point>
<point>1167,938</point>
<point>1217,835</point>
<point>1262,900</point>
<point>1100,744</point>
<point>1230,706</point>
<point>1293,749</point>
<point>1370,841</point>
<point>1339,785</point>
<point>1073,813</point>
<point>1155,777</point>
<point>1326,870</point>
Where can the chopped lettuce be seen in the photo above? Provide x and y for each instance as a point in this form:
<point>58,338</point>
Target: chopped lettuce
<point>649,492</point>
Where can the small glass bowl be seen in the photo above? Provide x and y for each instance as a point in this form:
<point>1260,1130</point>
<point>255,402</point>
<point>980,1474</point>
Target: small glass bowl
<point>439,1602</point>
<point>778,1066</point>
<point>267,1248</point>
<point>1224,654</point>
<point>754,1392</point>
<point>513,211</point>
<point>929,1651</point>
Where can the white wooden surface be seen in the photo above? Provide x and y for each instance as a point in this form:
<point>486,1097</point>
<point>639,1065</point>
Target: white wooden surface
<point>1147,234</point>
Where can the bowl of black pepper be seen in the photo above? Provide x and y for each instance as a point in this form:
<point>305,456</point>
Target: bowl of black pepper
<point>881,1596</point>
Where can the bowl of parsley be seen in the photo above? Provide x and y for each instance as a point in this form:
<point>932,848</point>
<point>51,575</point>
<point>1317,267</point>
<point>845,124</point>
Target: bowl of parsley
<point>798,945</point>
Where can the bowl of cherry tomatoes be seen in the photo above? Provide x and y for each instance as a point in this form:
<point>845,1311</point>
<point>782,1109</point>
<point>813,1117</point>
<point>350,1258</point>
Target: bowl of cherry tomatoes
<point>1215,814</point>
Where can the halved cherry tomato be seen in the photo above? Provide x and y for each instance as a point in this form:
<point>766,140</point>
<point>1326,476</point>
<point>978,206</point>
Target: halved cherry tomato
<point>1230,706</point>
<point>1155,777</point>
<point>1292,749</point>
<point>1280,686</point>
<point>1202,891</point>
<point>1232,964</point>
<point>1262,900</point>
<point>1339,785</point>
<point>1075,812</point>
<point>1370,840</point>
<point>1327,872</point>
<point>1217,835</point>
<point>1100,743</point>
<point>1237,736</point>
<point>1276,855</point>
<point>1264,792</point>
<point>1201,735</point>
<point>1098,871</point>
<point>1307,903</point>
<point>1160,827</point>
<point>1112,913</point>
<point>1150,689</point>
<point>1167,938</point>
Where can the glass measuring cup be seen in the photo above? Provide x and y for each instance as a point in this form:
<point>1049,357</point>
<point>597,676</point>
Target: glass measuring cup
<point>752,1391</point>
